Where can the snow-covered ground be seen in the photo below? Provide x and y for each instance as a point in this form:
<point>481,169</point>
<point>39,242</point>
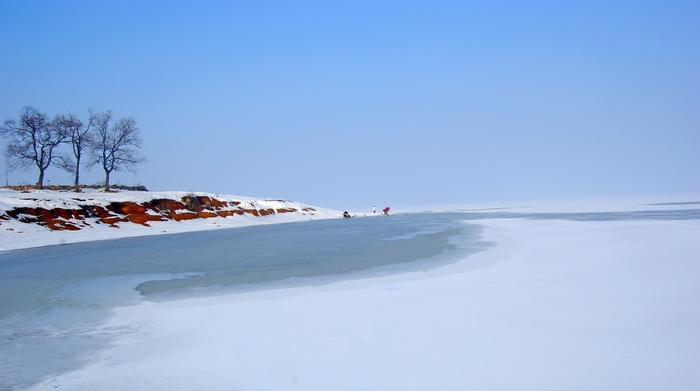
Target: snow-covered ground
<point>601,303</point>
<point>16,235</point>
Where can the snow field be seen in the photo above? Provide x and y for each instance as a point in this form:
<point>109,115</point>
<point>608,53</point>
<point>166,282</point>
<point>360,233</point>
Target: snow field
<point>555,305</point>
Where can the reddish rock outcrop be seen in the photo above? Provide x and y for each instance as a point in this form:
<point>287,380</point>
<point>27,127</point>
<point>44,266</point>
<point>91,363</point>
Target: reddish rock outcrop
<point>184,216</point>
<point>166,205</point>
<point>136,213</point>
<point>198,203</point>
<point>227,213</point>
<point>103,215</point>
<point>265,212</point>
<point>189,207</point>
<point>56,219</point>
<point>254,212</point>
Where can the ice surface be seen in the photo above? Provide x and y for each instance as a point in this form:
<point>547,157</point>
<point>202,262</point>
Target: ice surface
<point>589,297</point>
<point>66,292</point>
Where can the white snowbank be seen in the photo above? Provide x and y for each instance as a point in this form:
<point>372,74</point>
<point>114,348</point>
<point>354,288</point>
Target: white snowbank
<point>17,235</point>
<point>557,304</point>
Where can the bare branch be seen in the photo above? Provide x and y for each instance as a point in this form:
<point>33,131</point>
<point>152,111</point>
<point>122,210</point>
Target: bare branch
<point>33,140</point>
<point>115,147</point>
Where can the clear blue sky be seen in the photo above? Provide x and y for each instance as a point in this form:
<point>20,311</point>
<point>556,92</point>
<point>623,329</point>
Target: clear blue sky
<point>349,104</point>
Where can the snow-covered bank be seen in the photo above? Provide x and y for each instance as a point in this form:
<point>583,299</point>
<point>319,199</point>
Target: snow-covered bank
<point>557,304</point>
<point>45,217</point>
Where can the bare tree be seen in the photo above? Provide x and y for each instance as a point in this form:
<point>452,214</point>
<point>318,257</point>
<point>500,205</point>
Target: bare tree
<point>10,166</point>
<point>32,141</point>
<point>115,145</point>
<point>80,138</point>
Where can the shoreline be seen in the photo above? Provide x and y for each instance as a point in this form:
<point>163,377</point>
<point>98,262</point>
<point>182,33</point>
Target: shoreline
<point>64,217</point>
<point>16,235</point>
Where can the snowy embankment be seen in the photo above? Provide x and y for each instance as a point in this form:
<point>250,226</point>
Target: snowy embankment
<point>45,217</point>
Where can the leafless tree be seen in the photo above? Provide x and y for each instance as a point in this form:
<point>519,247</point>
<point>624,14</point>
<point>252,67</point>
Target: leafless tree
<point>10,166</point>
<point>80,138</point>
<point>32,141</point>
<point>115,145</point>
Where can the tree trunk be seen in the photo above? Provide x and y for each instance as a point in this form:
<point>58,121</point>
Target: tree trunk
<point>77,175</point>
<point>40,182</point>
<point>106,181</point>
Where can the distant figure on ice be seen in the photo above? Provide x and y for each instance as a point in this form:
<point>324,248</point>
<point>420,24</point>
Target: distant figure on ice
<point>386,210</point>
<point>346,215</point>
<point>374,208</point>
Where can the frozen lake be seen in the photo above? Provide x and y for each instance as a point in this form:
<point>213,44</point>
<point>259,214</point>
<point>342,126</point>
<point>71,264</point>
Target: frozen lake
<point>53,298</point>
<point>531,299</point>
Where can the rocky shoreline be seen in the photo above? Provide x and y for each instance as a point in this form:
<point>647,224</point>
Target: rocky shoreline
<point>81,213</point>
<point>44,217</point>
